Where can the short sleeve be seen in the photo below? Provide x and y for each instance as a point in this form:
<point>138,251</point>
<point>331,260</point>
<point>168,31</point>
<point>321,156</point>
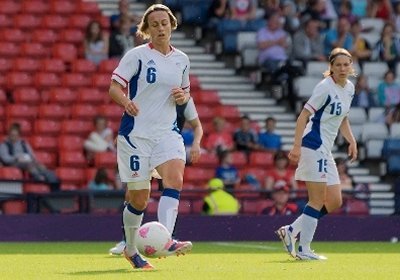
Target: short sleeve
<point>317,99</point>
<point>190,112</point>
<point>126,69</point>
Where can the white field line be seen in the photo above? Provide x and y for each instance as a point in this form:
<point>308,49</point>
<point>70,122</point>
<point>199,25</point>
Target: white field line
<point>250,246</point>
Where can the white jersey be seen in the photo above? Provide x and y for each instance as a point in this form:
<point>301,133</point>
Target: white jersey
<point>329,104</point>
<point>150,76</point>
<point>190,111</point>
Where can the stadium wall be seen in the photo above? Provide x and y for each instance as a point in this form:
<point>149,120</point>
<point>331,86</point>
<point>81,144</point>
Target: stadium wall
<point>86,227</point>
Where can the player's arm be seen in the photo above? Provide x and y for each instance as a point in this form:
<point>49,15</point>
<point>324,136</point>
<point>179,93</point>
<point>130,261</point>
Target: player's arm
<point>301,123</point>
<point>117,94</point>
<point>345,130</point>
<point>198,135</point>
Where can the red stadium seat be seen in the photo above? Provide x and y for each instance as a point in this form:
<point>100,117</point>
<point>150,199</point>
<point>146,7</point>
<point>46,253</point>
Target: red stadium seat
<point>9,49</point>
<point>47,127</point>
<point>104,22</point>
<point>45,36</point>
<point>70,35</point>
<point>69,187</point>
<point>18,79</point>
<point>77,127</point>
<point>90,8</point>
<point>207,97</point>
<point>79,21</point>
<point>53,111</point>
<point>54,22</point>
<point>10,6</point>
<point>91,96</point>
<point>194,83</point>
<point>83,112</point>
<point>53,65</point>
<point>229,112</point>
<point>356,207</point>
<point>47,159</point>
<point>13,35</point>
<point>26,96</point>
<point>198,176</point>
<point>83,66</point>
<point>62,96</point>
<point>206,113</point>
<point>26,21</point>
<point>101,81</point>
<point>14,207</point>
<point>69,175</point>
<point>105,159</point>
<point>46,80</point>
<point>62,7</point>
<point>21,111</point>
<point>70,143</point>
<point>90,173</point>
<point>6,65</point>
<point>185,207</point>
<point>108,66</point>
<point>261,159</point>
<point>5,21</point>
<point>246,191</point>
<point>74,80</point>
<point>112,112</point>
<point>207,160</point>
<point>24,64</point>
<point>34,50</point>
<point>239,159</point>
<point>72,159</point>
<point>259,173</point>
<point>35,188</point>
<point>43,143</point>
<point>35,7</point>
<point>11,173</point>
<point>65,51</point>
<point>3,97</point>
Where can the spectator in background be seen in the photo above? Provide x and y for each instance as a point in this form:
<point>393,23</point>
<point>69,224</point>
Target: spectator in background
<point>393,116</point>
<point>380,9</point>
<point>314,9</point>
<point>387,49</point>
<point>346,10</point>
<point>396,17</point>
<point>99,140</point>
<point>245,137</point>
<point>15,151</point>
<point>219,140</point>
<point>227,172</point>
<point>346,182</point>
<point>290,16</point>
<point>96,43</point>
<point>269,140</point>
<point>339,37</point>
<point>309,43</point>
<point>280,172</point>
<point>363,97</point>
<point>270,7</point>
<point>359,8</point>
<point>100,182</point>
<point>218,201</point>
<point>124,12</point>
<point>361,49</point>
<point>389,91</point>
<point>280,196</point>
<point>121,40</point>
<point>243,10</point>
<point>219,9</point>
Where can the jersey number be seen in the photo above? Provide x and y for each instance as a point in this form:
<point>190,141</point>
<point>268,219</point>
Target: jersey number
<point>151,75</point>
<point>322,164</point>
<point>336,108</point>
<point>134,163</point>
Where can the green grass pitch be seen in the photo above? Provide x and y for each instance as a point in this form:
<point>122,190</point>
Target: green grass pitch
<point>211,260</point>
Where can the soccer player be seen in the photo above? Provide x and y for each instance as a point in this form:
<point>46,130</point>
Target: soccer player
<point>157,77</point>
<point>186,112</point>
<point>324,114</point>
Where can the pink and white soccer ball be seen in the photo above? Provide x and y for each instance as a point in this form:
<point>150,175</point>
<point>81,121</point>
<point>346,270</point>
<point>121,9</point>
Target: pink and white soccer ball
<point>153,240</point>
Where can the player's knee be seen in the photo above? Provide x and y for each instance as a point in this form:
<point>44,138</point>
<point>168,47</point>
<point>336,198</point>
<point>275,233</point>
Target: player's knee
<point>174,182</point>
<point>138,202</point>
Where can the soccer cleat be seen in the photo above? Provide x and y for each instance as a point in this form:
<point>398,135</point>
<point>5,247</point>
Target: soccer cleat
<point>118,249</point>
<point>309,255</point>
<point>138,262</point>
<point>180,247</point>
<point>288,240</point>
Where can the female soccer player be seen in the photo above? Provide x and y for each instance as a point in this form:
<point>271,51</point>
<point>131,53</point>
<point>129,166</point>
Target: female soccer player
<point>157,77</point>
<point>324,114</point>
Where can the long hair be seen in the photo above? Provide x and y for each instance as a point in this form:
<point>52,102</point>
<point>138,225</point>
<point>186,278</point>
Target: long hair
<point>334,54</point>
<point>144,23</point>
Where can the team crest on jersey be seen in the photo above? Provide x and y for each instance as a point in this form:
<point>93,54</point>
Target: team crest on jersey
<point>336,97</point>
<point>151,63</point>
<point>135,174</point>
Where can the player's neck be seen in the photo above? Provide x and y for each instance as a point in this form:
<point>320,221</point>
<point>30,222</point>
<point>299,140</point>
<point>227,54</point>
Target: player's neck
<point>162,48</point>
<point>338,81</point>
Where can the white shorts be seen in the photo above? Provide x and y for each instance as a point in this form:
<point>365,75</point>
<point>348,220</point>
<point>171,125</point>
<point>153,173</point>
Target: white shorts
<point>137,156</point>
<point>315,166</point>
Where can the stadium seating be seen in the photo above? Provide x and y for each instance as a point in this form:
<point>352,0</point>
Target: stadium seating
<point>11,173</point>
<point>72,158</point>
<point>28,96</point>
<point>105,159</point>
<point>35,188</point>
<point>14,207</point>
<point>48,159</point>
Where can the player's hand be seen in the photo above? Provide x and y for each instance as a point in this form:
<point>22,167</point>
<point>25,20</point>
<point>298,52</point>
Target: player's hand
<point>194,153</point>
<point>352,151</point>
<point>294,154</point>
<point>179,96</point>
<point>132,109</point>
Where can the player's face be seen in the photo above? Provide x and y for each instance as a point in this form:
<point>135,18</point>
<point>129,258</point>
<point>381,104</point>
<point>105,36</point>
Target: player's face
<point>159,27</point>
<point>341,67</point>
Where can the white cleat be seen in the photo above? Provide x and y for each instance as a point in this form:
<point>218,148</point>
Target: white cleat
<point>118,249</point>
<point>288,240</point>
<point>310,255</point>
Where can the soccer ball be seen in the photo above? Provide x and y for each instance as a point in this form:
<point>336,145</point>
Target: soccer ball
<point>153,240</point>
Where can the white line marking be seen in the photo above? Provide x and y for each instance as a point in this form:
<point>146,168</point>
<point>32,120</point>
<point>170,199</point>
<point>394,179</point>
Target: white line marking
<point>250,246</point>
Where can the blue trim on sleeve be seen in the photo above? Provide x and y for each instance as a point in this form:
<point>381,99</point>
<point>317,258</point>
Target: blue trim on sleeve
<point>171,193</point>
<point>309,211</point>
<point>133,210</point>
<point>312,140</point>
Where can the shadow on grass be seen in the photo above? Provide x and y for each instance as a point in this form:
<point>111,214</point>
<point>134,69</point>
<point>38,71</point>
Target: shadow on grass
<point>103,272</point>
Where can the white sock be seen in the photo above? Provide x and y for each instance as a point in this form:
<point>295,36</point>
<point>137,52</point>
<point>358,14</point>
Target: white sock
<point>308,227</point>
<point>168,208</point>
<point>132,219</point>
<point>296,225</point>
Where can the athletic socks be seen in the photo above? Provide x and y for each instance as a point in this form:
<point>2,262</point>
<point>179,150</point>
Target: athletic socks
<point>168,208</point>
<point>132,219</point>
<point>323,212</point>
<point>309,224</point>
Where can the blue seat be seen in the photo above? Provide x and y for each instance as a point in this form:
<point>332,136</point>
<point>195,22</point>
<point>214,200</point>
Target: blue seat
<point>174,5</point>
<point>195,11</point>
<point>230,42</point>
<point>393,165</point>
<point>229,25</point>
<point>391,147</point>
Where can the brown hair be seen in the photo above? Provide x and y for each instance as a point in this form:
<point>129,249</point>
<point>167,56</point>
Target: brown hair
<point>144,23</point>
<point>336,52</point>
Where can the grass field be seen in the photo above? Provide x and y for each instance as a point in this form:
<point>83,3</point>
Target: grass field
<point>218,260</point>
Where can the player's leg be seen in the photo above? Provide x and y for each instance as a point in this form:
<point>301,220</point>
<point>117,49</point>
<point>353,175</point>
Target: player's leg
<point>333,200</point>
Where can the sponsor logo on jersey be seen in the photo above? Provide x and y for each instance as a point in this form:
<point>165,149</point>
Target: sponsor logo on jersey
<point>135,174</point>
